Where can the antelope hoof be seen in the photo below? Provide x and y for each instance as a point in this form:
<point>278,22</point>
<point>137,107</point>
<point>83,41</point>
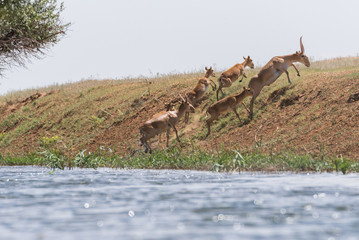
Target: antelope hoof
<point>298,74</point>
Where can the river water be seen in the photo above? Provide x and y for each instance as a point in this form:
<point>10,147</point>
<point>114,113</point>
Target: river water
<point>167,204</point>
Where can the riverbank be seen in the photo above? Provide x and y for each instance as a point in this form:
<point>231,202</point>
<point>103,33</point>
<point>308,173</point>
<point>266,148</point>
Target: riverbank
<point>174,158</point>
<point>311,117</point>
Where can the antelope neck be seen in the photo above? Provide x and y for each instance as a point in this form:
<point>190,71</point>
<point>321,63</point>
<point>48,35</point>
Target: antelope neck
<point>245,63</point>
<point>240,96</point>
<point>207,75</point>
<point>291,58</point>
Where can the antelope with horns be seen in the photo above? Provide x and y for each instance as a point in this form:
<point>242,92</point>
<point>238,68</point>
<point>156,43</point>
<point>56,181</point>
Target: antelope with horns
<point>162,123</point>
<point>232,74</point>
<point>226,104</point>
<point>272,71</point>
<point>169,107</point>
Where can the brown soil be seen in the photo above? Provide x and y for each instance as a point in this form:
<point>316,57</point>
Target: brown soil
<point>311,116</point>
<point>315,120</point>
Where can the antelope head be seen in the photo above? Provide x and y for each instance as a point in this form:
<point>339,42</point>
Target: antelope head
<point>247,92</point>
<point>248,62</point>
<point>302,58</point>
<point>209,72</point>
<point>186,104</point>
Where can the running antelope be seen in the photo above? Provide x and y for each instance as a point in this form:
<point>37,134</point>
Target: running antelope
<point>226,104</point>
<point>162,123</point>
<point>232,74</point>
<point>272,71</point>
<point>200,89</point>
<point>169,107</point>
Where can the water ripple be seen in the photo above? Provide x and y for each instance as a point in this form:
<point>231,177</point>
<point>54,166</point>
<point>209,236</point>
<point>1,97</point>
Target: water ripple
<point>150,204</point>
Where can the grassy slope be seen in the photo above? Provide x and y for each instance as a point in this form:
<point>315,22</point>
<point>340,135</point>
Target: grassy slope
<point>310,116</point>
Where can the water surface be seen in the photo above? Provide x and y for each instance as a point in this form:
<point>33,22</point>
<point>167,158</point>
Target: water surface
<point>167,204</point>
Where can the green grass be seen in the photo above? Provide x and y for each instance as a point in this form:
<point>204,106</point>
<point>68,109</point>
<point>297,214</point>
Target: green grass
<point>174,158</point>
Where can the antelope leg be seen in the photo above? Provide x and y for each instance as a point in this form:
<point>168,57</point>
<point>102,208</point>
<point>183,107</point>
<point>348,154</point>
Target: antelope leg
<point>235,111</point>
<point>174,127</point>
<point>298,74</point>
<point>245,107</point>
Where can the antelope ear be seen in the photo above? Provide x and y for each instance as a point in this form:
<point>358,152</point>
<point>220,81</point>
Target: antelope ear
<point>244,58</point>
<point>249,57</point>
<point>206,68</point>
<point>244,88</point>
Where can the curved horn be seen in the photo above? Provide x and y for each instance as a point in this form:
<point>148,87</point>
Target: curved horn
<point>301,45</point>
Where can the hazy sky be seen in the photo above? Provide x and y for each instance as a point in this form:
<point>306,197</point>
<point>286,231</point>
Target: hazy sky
<point>119,38</point>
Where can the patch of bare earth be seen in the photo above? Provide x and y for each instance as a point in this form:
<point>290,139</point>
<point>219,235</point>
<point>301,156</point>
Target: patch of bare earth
<point>318,114</point>
<point>316,120</point>
<point>313,119</point>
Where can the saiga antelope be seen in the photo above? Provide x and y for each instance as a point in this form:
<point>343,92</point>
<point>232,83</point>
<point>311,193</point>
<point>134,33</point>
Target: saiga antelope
<point>272,71</point>
<point>226,104</point>
<point>232,74</point>
<point>200,89</point>
<point>162,123</point>
<point>169,107</point>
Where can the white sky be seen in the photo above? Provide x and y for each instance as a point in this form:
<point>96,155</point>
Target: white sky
<point>119,38</point>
